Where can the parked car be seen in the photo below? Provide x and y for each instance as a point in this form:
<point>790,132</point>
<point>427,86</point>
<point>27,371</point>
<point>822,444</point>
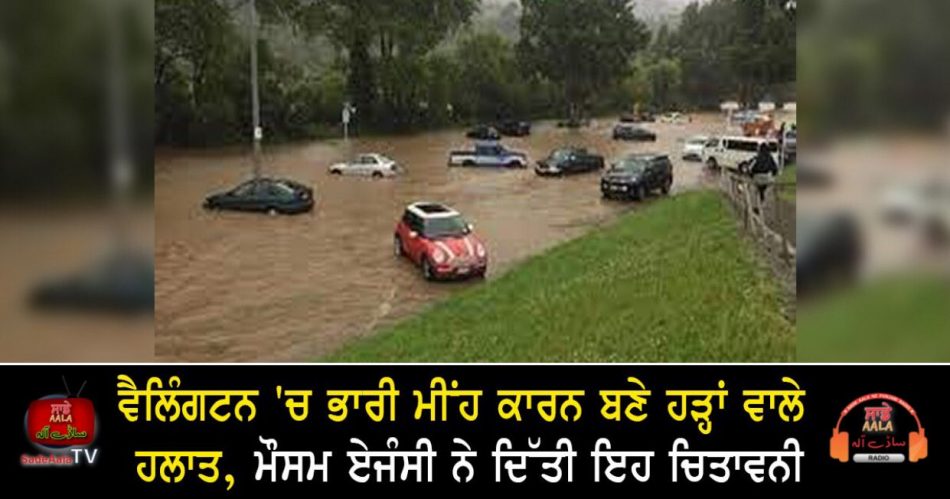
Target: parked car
<point>675,118</point>
<point>483,132</point>
<point>791,145</point>
<point>635,176</point>
<point>923,204</point>
<point>371,165</point>
<point>569,160</point>
<point>573,123</point>
<point>829,252</point>
<point>694,147</point>
<point>627,131</point>
<point>264,194</point>
<point>123,281</point>
<point>488,154</point>
<point>641,117</point>
<point>733,152</point>
<point>439,240</point>
<point>514,128</point>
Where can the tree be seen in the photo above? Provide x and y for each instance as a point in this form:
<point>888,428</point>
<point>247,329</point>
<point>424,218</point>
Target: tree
<point>400,34</point>
<point>489,70</point>
<point>584,46</point>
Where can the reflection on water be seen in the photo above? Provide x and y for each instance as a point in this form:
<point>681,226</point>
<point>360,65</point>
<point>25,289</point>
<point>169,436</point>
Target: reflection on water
<point>245,287</point>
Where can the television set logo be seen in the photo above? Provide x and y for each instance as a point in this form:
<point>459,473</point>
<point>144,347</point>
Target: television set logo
<point>63,428</point>
<point>880,431</point>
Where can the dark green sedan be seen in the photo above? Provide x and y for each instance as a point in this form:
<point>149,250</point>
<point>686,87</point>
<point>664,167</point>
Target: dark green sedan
<point>266,195</point>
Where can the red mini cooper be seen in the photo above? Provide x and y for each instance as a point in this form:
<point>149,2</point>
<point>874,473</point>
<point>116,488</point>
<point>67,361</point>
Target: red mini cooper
<point>438,240</point>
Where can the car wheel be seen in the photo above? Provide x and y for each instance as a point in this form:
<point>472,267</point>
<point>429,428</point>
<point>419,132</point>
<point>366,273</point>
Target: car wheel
<point>666,186</point>
<point>377,175</point>
<point>336,172</point>
<point>468,162</point>
<point>712,164</point>
<point>397,246</point>
<point>642,192</point>
<point>515,164</point>
<point>427,272</point>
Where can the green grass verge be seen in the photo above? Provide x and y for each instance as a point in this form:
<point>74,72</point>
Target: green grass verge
<point>671,282</point>
<point>895,320</point>
<point>788,176</point>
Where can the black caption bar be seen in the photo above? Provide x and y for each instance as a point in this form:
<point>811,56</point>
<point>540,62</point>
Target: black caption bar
<point>244,431</point>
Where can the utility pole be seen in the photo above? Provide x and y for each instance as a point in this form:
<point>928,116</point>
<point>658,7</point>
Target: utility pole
<point>255,100</point>
<point>121,169</point>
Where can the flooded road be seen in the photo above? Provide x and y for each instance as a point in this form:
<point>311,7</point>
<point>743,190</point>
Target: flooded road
<point>247,287</point>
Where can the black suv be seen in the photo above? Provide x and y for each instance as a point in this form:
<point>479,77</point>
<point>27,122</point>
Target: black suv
<point>637,175</point>
<point>569,160</point>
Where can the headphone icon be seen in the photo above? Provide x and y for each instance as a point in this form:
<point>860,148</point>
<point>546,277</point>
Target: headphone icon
<point>840,444</point>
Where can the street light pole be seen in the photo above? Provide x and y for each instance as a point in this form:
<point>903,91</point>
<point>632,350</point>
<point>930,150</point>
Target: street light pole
<point>255,100</point>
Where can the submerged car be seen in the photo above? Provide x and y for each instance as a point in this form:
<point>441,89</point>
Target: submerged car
<point>371,165</point>
<point>829,252</point>
<point>121,282</point>
<point>573,123</point>
<point>627,131</point>
<point>639,117</point>
<point>269,195</point>
<point>675,118</point>
<point>513,128</point>
<point>569,160</point>
<point>439,240</point>
<point>635,176</point>
<point>483,132</point>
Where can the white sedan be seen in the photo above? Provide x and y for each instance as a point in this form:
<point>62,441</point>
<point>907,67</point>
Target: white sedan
<point>370,165</point>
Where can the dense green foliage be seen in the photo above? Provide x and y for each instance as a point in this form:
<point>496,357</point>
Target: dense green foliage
<point>413,64</point>
<point>673,282</point>
<point>874,64</point>
<point>55,98</point>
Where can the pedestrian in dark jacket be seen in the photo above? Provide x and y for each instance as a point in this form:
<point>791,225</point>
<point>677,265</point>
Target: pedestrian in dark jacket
<point>763,169</point>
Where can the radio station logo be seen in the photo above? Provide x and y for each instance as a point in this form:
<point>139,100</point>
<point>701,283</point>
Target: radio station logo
<point>878,428</point>
<point>63,428</point>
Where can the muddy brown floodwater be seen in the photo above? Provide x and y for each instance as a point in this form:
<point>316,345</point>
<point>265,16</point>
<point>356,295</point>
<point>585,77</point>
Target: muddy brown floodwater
<point>247,287</point>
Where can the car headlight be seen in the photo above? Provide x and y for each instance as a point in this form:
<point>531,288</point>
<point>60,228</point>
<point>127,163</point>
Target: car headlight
<point>480,250</point>
<point>438,256</point>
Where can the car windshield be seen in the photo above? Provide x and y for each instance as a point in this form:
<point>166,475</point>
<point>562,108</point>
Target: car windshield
<point>560,154</point>
<point>281,189</point>
<point>632,166</point>
<point>697,141</point>
<point>453,226</point>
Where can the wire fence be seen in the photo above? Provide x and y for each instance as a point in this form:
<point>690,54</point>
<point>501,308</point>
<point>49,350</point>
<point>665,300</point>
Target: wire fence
<point>768,216</point>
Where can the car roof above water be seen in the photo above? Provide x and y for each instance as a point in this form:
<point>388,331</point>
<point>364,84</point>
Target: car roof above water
<point>427,209</point>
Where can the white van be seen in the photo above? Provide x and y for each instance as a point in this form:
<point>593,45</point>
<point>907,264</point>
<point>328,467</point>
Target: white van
<point>730,152</point>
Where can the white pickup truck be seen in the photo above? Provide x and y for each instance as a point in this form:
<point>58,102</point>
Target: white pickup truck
<point>489,154</point>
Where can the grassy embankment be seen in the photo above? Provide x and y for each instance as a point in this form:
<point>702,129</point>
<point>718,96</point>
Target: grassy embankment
<point>788,176</point>
<point>673,281</point>
<point>898,319</point>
